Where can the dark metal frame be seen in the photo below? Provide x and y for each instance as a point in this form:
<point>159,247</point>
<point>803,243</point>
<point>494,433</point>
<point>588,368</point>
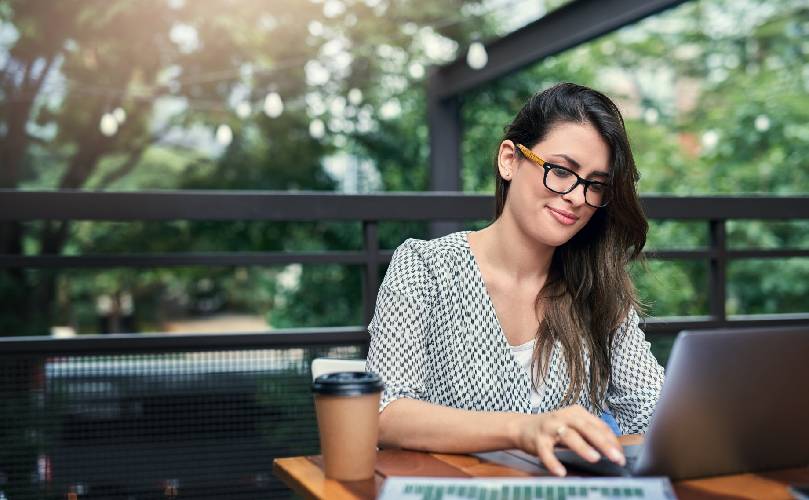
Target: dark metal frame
<point>182,342</point>
<point>369,210</point>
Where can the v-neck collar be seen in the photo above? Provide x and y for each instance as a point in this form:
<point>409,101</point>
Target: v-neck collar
<point>482,284</point>
<point>547,395</point>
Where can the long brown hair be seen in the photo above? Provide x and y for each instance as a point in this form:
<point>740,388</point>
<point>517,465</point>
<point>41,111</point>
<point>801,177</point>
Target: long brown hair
<point>588,292</point>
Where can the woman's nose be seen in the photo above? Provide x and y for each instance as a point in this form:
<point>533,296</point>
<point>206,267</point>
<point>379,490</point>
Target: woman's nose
<point>576,196</point>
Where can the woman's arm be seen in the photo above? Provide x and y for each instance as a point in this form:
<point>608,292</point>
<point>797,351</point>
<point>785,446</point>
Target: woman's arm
<point>636,378</point>
<point>418,425</point>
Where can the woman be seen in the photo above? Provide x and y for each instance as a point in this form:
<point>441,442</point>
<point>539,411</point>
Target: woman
<point>519,335</point>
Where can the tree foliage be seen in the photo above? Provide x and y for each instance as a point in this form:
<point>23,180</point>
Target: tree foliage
<point>714,94</point>
<point>181,71</point>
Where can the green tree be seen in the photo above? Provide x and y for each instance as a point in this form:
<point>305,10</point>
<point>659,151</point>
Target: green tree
<point>714,95</point>
<point>176,69</point>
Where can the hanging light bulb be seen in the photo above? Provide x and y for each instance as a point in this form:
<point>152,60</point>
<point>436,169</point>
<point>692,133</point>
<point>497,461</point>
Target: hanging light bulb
<point>120,115</point>
<point>273,105</point>
<point>243,109</point>
<point>762,123</point>
<point>416,70</point>
<point>355,96</point>
<point>224,134</point>
<point>317,129</point>
<point>477,57</point>
<point>108,125</point>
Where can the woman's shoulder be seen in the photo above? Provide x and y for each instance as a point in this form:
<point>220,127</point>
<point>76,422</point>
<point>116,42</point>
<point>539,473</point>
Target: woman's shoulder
<point>445,250</point>
<point>426,262</point>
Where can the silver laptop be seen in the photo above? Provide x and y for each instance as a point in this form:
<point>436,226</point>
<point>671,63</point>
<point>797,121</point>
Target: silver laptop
<point>733,401</point>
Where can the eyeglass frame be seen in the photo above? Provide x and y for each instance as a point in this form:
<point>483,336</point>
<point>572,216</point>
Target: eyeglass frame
<point>547,166</point>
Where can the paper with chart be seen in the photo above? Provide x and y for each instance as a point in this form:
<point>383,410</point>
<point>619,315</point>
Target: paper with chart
<point>545,488</point>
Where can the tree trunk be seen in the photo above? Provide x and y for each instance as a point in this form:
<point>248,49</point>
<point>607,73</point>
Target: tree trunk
<point>17,110</point>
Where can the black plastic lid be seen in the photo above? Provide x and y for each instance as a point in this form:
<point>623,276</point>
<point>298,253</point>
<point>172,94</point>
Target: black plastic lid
<point>347,384</point>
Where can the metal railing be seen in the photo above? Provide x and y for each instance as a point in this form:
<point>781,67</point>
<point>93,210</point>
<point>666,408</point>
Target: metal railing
<point>159,416</point>
<point>201,415</point>
<point>370,210</point>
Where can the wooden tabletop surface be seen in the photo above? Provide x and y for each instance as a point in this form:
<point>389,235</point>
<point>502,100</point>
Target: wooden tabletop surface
<point>305,476</point>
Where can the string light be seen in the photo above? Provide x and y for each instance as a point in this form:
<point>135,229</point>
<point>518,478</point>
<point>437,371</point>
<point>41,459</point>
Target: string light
<point>477,57</point>
<point>710,139</point>
<point>224,134</point>
<point>762,123</point>
<point>416,71</point>
<point>120,115</point>
<point>355,96</point>
<point>317,129</point>
<point>283,64</point>
<point>273,105</point>
<point>243,109</point>
<point>390,109</point>
<point>333,8</point>
<point>337,106</point>
<point>108,125</point>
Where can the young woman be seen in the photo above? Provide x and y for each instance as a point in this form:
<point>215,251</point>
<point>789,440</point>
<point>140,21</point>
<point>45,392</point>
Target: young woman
<point>521,334</point>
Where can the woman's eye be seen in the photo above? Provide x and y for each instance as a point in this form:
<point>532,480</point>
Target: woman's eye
<point>598,188</point>
<point>561,172</point>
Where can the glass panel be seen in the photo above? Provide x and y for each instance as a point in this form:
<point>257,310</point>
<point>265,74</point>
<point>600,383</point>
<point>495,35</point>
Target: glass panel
<point>325,295</point>
<point>673,288</point>
<point>768,286</point>
<point>186,299</point>
<point>392,234</point>
<point>676,235</point>
<point>768,234</point>
<point>92,237</point>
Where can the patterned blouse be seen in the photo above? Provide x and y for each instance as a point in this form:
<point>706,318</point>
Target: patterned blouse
<point>435,337</point>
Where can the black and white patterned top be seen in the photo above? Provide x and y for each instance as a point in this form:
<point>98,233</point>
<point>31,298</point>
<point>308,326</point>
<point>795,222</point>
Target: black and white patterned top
<point>435,337</point>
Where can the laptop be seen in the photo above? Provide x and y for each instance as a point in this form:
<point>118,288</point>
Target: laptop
<point>734,400</point>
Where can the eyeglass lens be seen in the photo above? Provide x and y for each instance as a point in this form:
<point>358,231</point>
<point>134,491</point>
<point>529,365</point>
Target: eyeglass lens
<point>563,181</point>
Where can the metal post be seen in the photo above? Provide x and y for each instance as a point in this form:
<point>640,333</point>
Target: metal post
<point>444,118</point>
<point>718,272</point>
<point>371,271</point>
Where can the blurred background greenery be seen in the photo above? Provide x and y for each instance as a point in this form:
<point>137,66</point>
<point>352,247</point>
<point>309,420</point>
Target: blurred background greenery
<point>329,95</point>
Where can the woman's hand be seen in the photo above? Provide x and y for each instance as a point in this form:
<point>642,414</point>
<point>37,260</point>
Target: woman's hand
<point>573,427</point>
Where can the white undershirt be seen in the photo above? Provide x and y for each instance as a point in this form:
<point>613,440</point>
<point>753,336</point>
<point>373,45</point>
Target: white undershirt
<point>524,353</point>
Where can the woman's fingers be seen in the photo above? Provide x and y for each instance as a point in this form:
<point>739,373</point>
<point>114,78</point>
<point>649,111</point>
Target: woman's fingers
<point>574,427</point>
<point>573,440</point>
<point>601,438</point>
<point>594,431</point>
<point>546,456</point>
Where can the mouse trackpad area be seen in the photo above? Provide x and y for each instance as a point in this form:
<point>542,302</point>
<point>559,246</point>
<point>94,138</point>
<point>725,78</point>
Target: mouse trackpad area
<point>604,467</point>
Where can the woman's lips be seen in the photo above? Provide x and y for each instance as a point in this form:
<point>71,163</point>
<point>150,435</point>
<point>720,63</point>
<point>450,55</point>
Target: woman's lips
<point>563,217</point>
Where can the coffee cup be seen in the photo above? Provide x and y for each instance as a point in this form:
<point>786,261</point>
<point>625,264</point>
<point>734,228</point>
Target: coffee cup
<point>347,409</point>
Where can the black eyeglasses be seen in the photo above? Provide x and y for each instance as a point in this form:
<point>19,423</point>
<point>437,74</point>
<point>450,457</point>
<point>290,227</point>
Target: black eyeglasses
<point>562,180</point>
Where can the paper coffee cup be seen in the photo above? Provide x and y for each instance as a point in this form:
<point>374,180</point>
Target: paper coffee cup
<point>347,408</point>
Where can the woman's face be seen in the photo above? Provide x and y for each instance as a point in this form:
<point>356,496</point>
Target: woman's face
<point>548,217</point>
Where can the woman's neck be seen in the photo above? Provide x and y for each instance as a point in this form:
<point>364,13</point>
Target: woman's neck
<point>512,252</point>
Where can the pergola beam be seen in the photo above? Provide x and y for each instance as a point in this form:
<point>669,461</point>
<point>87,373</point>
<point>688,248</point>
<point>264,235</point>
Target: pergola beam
<point>569,26</point>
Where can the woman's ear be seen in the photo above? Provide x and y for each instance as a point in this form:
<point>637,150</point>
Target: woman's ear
<point>507,160</point>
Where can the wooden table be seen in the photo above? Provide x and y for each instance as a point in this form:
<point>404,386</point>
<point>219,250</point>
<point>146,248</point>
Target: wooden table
<point>305,476</point>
